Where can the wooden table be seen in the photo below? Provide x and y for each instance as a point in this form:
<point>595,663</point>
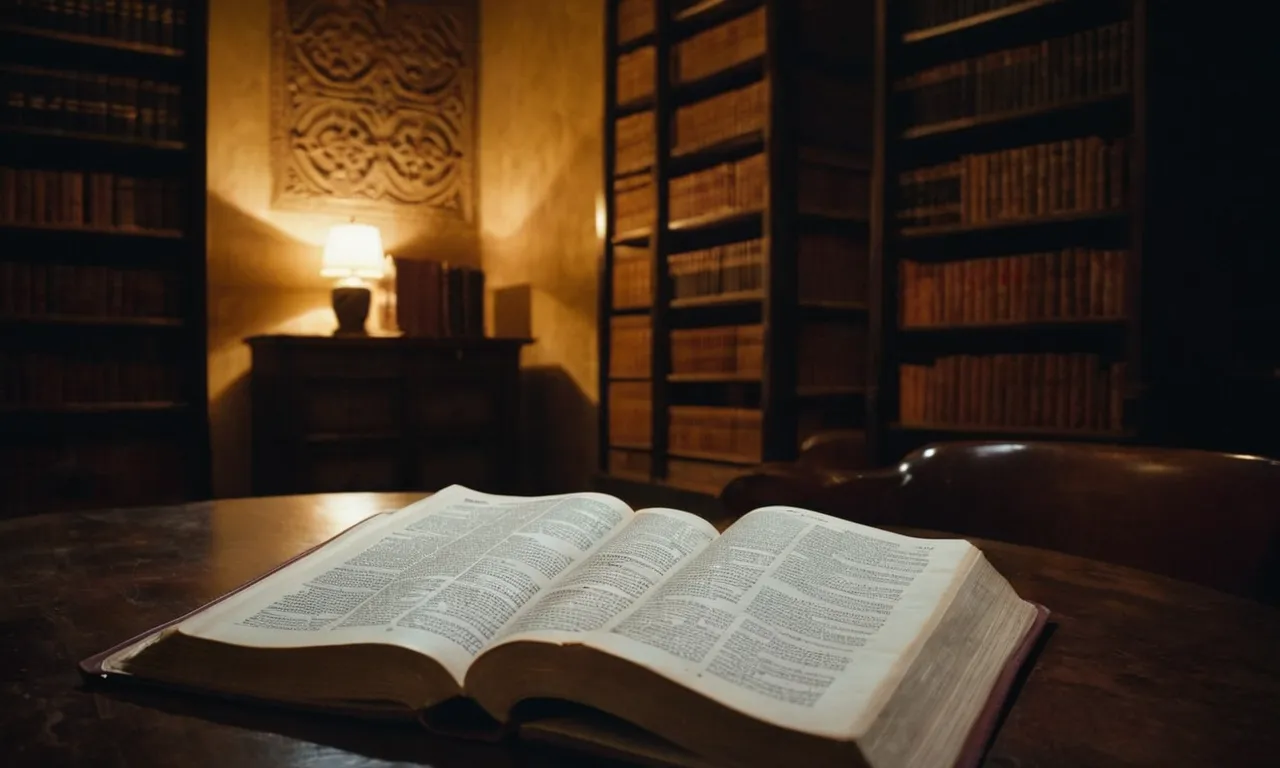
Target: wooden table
<point>1140,670</point>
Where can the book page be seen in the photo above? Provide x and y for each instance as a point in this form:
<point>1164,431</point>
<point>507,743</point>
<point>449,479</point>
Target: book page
<point>442,576</point>
<point>631,565</point>
<point>793,617</point>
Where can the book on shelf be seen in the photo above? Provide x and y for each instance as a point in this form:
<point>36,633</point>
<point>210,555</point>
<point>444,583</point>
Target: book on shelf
<point>1082,175</point>
<point>633,204</point>
<point>636,18</point>
<point>722,47</point>
<point>631,352</point>
<point>152,22</point>
<point>435,299</point>
<point>632,277</point>
<point>741,186</point>
<point>88,199</point>
<point>85,290</point>
<point>1069,284</point>
<point>631,413</point>
<point>636,72</point>
<point>54,378</point>
<point>1063,70</point>
<point>723,269</point>
<point>81,102</point>
<point>634,143</point>
<point>790,633</point>
<point>1064,391</point>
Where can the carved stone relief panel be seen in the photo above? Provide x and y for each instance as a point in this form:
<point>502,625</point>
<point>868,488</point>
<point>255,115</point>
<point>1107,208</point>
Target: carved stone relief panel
<point>372,106</point>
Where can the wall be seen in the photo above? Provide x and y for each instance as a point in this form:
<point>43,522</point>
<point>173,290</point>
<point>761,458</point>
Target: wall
<point>263,265</point>
<point>541,107</point>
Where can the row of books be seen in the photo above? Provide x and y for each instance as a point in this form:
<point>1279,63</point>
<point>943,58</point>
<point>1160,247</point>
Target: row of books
<point>711,432</point>
<point>918,14</point>
<point>435,299</point>
<point>720,118</point>
<point>721,47</point>
<point>723,189</point>
<point>1086,65</point>
<point>85,199</point>
<point>736,350</point>
<point>41,289</point>
<point>834,191</point>
<point>722,269</point>
<point>636,18</point>
<point>125,107</point>
<point>1076,176</point>
<point>1074,283</point>
<point>832,268</point>
<point>631,347</point>
<point>636,74</point>
<point>154,22</point>
<point>91,472</point>
<point>631,413</point>
<point>633,203</point>
<point>831,355</point>
<point>632,277</point>
<point>633,142</point>
<point>1069,391</point>
<point>52,379</point>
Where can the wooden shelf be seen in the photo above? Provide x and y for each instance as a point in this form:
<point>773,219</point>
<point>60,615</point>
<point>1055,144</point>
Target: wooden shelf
<point>634,106</point>
<point>737,76</point>
<point>632,310</point>
<point>631,446</point>
<point>836,217</point>
<point>632,173</point>
<point>628,379</point>
<point>832,390</point>
<point>824,305</point>
<point>633,236</point>
<point>1024,326</point>
<point>947,230</point>
<point>92,41</point>
<point>89,320</point>
<point>155,234</point>
<point>86,409</point>
<point>741,297</point>
<point>636,43</point>
<point>715,378</point>
<point>722,458</point>
<point>721,151</point>
<point>715,221</point>
<point>95,138</point>
<point>968,124</point>
<point>1032,432</point>
<point>707,13</point>
<point>977,20</point>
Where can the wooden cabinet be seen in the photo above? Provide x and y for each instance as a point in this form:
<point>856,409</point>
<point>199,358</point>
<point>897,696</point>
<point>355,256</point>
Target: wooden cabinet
<point>384,413</point>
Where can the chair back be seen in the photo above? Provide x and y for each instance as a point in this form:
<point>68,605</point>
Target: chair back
<point>1209,518</point>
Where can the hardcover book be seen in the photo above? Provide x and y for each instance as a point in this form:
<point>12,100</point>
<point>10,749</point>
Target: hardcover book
<point>790,634</point>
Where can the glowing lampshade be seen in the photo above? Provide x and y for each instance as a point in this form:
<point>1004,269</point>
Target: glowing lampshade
<point>353,250</point>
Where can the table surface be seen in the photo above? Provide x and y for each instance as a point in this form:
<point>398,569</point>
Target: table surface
<point>1138,670</point>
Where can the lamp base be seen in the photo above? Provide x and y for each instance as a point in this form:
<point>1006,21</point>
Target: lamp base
<point>351,306</point>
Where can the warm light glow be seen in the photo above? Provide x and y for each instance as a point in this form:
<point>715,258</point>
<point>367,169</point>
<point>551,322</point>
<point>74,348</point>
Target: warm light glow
<point>601,222</point>
<point>353,250</point>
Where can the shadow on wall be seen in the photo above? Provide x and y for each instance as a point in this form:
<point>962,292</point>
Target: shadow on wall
<point>243,302</point>
<point>543,259</point>
<point>558,419</point>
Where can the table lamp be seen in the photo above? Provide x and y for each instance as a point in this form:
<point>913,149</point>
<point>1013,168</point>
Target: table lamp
<point>353,254</point>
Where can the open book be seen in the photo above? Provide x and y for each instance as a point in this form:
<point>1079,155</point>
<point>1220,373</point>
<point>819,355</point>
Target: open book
<point>792,633</point>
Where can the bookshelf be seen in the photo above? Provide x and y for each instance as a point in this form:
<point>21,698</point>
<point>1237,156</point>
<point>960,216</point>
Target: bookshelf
<point>1007,246</point>
<point>102,267</point>
<point>734,294</point>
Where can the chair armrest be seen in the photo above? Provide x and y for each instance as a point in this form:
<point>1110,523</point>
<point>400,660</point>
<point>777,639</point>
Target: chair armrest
<point>843,449</point>
<point>861,496</point>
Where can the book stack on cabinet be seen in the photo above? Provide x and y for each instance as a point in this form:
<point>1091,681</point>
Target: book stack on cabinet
<point>1007,247</point>
<point>734,311</point>
<point>102,272</point>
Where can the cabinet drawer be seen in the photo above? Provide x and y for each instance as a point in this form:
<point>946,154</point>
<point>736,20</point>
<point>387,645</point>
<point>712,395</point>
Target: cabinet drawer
<point>352,406</point>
